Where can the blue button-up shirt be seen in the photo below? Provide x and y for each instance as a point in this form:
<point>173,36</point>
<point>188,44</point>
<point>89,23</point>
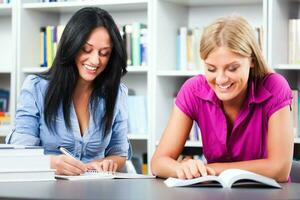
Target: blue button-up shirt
<point>30,127</point>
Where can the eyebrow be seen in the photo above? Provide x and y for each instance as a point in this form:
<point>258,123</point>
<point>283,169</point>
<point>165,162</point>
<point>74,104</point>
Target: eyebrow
<point>107,47</point>
<point>234,62</point>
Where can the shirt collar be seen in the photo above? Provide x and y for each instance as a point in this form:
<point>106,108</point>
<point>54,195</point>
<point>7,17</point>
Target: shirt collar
<point>257,93</point>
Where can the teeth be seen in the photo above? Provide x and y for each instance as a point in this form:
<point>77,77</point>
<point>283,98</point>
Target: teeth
<point>224,87</point>
<point>90,67</point>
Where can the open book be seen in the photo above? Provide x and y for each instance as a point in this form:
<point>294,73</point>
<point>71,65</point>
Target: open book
<point>103,175</point>
<point>226,179</point>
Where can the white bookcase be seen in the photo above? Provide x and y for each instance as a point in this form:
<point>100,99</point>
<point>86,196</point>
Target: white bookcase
<point>8,24</point>
<point>159,81</point>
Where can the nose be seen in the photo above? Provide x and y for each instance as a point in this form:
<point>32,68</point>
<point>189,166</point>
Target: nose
<point>221,78</point>
<point>94,58</point>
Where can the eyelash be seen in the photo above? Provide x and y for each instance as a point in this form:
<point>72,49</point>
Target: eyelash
<point>100,54</point>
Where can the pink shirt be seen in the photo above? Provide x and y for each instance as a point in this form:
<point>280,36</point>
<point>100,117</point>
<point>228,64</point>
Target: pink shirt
<point>248,139</point>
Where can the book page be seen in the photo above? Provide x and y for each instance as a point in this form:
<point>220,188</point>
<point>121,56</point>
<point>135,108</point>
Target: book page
<point>175,182</point>
<point>230,176</point>
<point>93,174</point>
<point>87,176</point>
<point>132,176</point>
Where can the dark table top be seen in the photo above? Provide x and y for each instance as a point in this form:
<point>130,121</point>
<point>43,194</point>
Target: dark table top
<point>137,189</point>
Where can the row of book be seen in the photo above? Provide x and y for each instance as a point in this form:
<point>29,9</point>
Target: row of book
<point>4,100</point>
<point>49,39</point>
<point>4,1</point>
<point>23,163</point>
<point>135,40</point>
<point>134,37</point>
<point>188,47</point>
<point>294,41</point>
<point>137,114</point>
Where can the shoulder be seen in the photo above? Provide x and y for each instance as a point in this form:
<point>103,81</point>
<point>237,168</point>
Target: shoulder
<point>34,83</point>
<point>275,84</point>
<point>196,83</point>
<point>123,91</point>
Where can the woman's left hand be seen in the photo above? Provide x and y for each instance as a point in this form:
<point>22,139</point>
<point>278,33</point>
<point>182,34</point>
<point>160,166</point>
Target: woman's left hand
<point>105,165</point>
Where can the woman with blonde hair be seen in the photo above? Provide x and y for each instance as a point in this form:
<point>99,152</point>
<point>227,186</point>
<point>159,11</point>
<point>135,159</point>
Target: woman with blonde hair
<point>242,107</point>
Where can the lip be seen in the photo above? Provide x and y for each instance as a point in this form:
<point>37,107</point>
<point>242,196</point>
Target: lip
<point>224,88</point>
<point>89,69</point>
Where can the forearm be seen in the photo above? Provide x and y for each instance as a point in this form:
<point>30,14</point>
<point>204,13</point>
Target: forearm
<point>278,170</point>
<point>164,167</point>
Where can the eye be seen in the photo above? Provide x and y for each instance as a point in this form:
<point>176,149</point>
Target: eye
<point>86,49</point>
<point>211,69</point>
<point>105,53</point>
<point>233,68</point>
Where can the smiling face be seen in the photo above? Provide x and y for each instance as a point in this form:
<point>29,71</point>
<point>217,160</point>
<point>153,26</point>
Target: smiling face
<point>94,55</point>
<point>227,74</point>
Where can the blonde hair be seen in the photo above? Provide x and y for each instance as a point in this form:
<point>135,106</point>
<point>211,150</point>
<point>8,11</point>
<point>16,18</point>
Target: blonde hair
<point>235,33</point>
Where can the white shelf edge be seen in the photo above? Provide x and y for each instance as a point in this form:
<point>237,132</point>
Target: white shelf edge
<point>5,9</point>
<point>5,130</point>
<point>214,2</point>
<point>287,66</point>
<point>34,69</point>
<point>137,136</point>
<point>137,69</point>
<point>5,71</point>
<point>67,6</point>
<point>189,143</point>
<point>179,72</point>
<point>297,140</point>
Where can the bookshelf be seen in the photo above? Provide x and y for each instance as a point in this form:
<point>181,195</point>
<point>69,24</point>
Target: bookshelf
<point>8,24</point>
<point>159,81</point>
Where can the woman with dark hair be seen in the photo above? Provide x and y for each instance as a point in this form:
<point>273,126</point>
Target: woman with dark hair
<point>79,103</point>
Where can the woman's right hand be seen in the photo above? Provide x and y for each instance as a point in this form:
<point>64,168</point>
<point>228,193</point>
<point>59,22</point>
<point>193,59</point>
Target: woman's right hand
<point>66,165</point>
<point>188,169</point>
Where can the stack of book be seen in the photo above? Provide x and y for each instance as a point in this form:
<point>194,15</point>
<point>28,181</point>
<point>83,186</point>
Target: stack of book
<point>24,163</point>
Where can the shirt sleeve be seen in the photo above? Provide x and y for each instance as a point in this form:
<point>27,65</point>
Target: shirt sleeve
<point>26,131</point>
<point>281,94</point>
<point>185,99</point>
<point>119,144</point>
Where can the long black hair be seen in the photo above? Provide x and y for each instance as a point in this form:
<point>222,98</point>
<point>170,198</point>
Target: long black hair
<point>63,74</point>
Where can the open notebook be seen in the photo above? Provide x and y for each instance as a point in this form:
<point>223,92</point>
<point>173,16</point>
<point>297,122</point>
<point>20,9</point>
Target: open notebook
<point>104,175</point>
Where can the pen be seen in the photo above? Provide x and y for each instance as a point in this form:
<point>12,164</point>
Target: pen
<point>66,152</point>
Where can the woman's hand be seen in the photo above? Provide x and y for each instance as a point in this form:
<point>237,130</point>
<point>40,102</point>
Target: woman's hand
<point>66,165</point>
<point>190,168</point>
<point>105,165</point>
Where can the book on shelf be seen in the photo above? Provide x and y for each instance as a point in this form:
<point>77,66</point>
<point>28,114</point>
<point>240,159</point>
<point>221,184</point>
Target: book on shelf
<point>137,114</point>
<point>4,100</point>
<point>93,174</point>
<point>226,179</point>
<point>135,39</point>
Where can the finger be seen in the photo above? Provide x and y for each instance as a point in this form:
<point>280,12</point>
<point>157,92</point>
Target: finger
<point>211,171</point>
<point>180,173</point>
<point>110,166</point>
<point>95,166</point>
<point>115,167</point>
<point>105,165</point>
<point>70,170</point>
<point>187,172</point>
<point>76,163</point>
<point>201,168</point>
<point>194,169</point>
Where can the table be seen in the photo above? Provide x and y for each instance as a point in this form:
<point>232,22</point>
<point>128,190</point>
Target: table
<point>141,189</point>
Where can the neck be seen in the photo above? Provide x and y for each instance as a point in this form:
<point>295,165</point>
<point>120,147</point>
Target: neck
<point>82,89</point>
<point>237,102</point>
